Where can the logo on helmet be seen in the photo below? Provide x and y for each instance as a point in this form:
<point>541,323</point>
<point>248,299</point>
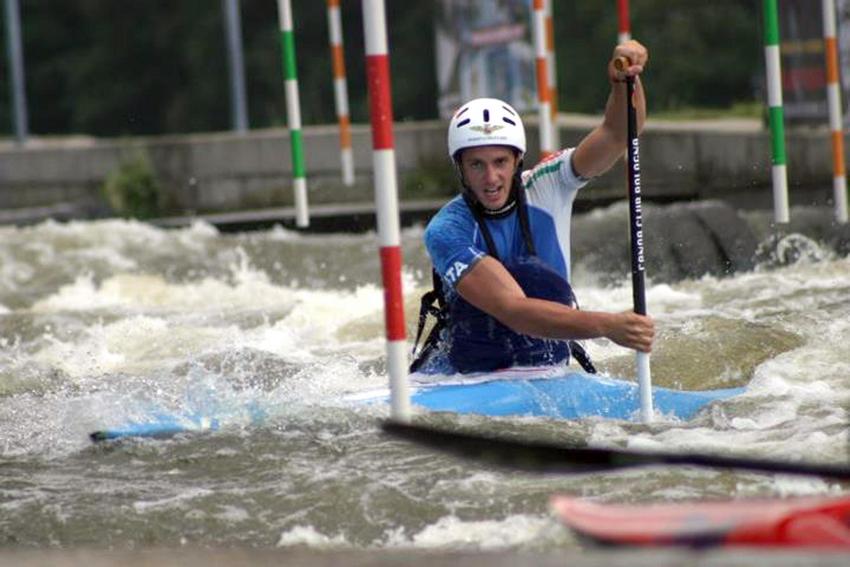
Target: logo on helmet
<point>487,128</point>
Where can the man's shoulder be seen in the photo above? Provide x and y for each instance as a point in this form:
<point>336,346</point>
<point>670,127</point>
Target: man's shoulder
<point>552,184</point>
<point>449,238</point>
<point>455,205</point>
<point>454,213</point>
<point>550,166</point>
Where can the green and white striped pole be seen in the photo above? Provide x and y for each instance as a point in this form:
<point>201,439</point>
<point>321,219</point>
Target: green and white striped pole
<point>776,113</point>
<point>293,113</point>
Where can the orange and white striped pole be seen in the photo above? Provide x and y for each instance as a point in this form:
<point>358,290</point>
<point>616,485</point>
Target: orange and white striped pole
<point>553,72</point>
<point>340,92</point>
<point>386,201</point>
<point>538,27</point>
<point>624,26</point>
<point>833,93</point>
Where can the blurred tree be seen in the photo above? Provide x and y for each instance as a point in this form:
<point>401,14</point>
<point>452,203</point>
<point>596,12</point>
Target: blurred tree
<point>120,68</point>
<point>701,54</point>
<point>112,68</point>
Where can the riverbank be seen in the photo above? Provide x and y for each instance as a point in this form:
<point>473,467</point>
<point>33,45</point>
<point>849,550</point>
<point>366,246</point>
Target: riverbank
<point>219,175</point>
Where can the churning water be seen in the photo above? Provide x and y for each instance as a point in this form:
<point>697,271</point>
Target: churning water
<point>100,321</point>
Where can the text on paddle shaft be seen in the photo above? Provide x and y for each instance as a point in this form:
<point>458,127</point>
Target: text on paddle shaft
<point>637,215</point>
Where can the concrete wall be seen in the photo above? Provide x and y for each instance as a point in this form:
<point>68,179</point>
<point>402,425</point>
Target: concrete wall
<point>226,172</point>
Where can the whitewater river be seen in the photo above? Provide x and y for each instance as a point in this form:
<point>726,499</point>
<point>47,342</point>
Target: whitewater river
<point>101,321</point>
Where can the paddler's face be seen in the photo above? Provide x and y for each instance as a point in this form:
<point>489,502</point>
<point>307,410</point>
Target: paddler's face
<point>489,172</point>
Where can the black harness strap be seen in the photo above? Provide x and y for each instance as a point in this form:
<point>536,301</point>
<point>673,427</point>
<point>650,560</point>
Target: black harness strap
<point>427,307</point>
<point>524,224</point>
<point>581,356</point>
<point>576,349</point>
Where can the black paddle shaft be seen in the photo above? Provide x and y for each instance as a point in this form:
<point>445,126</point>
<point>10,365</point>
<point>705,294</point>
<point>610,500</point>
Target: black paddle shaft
<point>635,212</point>
<point>540,457</point>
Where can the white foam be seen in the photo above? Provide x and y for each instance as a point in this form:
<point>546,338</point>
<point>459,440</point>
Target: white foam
<point>232,514</point>
<point>163,321</point>
<point>137,292</point>
<point>178,500</point>
<point>483,535</point>
<point>129,326</point>
<point>309,536</point>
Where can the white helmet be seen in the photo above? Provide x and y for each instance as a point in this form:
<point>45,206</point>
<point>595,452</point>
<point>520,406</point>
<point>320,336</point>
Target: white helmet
<point>486,122</point>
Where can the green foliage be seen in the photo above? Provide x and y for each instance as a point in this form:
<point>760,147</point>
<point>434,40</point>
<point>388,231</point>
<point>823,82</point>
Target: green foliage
<point>435,178</point>
<point>736,110</point>
<point>132,189</point>
<point>113,68</point>
<point>701,53</point>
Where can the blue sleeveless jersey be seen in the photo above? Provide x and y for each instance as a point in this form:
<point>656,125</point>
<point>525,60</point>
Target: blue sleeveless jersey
<point>474,340</point>
<point>455,243</point>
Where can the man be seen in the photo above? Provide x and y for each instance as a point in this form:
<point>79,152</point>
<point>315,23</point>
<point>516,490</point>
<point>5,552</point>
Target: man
<point>501,249</point>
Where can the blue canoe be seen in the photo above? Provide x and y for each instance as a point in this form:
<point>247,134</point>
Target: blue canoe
<point>570,395</point>
<point>529,392</point>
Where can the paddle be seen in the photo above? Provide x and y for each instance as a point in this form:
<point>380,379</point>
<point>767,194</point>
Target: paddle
<point>636,231</point>
<point>539,457</point>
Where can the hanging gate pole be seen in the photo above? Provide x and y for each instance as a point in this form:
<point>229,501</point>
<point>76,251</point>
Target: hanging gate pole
<point>547,146</point>
<point>833,94</point>
<point>340,92</point>
<point>551,67</point>
<point>386,201</point>
<point>624,26</point>
<point>293,113</point>
<point>776,113</point>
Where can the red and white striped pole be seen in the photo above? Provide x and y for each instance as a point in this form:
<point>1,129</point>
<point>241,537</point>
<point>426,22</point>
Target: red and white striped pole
<point>340,92</point>
<point>386,201</point>
<point>833,93</point>
<point>553,72</point>
<point>624,26</point>
<point>538,27</point>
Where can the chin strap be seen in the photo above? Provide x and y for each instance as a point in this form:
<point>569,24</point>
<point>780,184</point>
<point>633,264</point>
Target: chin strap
<point>499,213</point>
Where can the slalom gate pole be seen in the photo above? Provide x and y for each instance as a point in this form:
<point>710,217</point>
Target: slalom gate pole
<point>340,92</point>
<point>386,201</point>
<point>538,26</point>
<point>15,52</point>
<point>293,113</point>
<point>236,66</point>
<point>833,94</point>
<point>624,25</point>
<point>551,67</point>
<point>776,113</point>
<point>637,244</point>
